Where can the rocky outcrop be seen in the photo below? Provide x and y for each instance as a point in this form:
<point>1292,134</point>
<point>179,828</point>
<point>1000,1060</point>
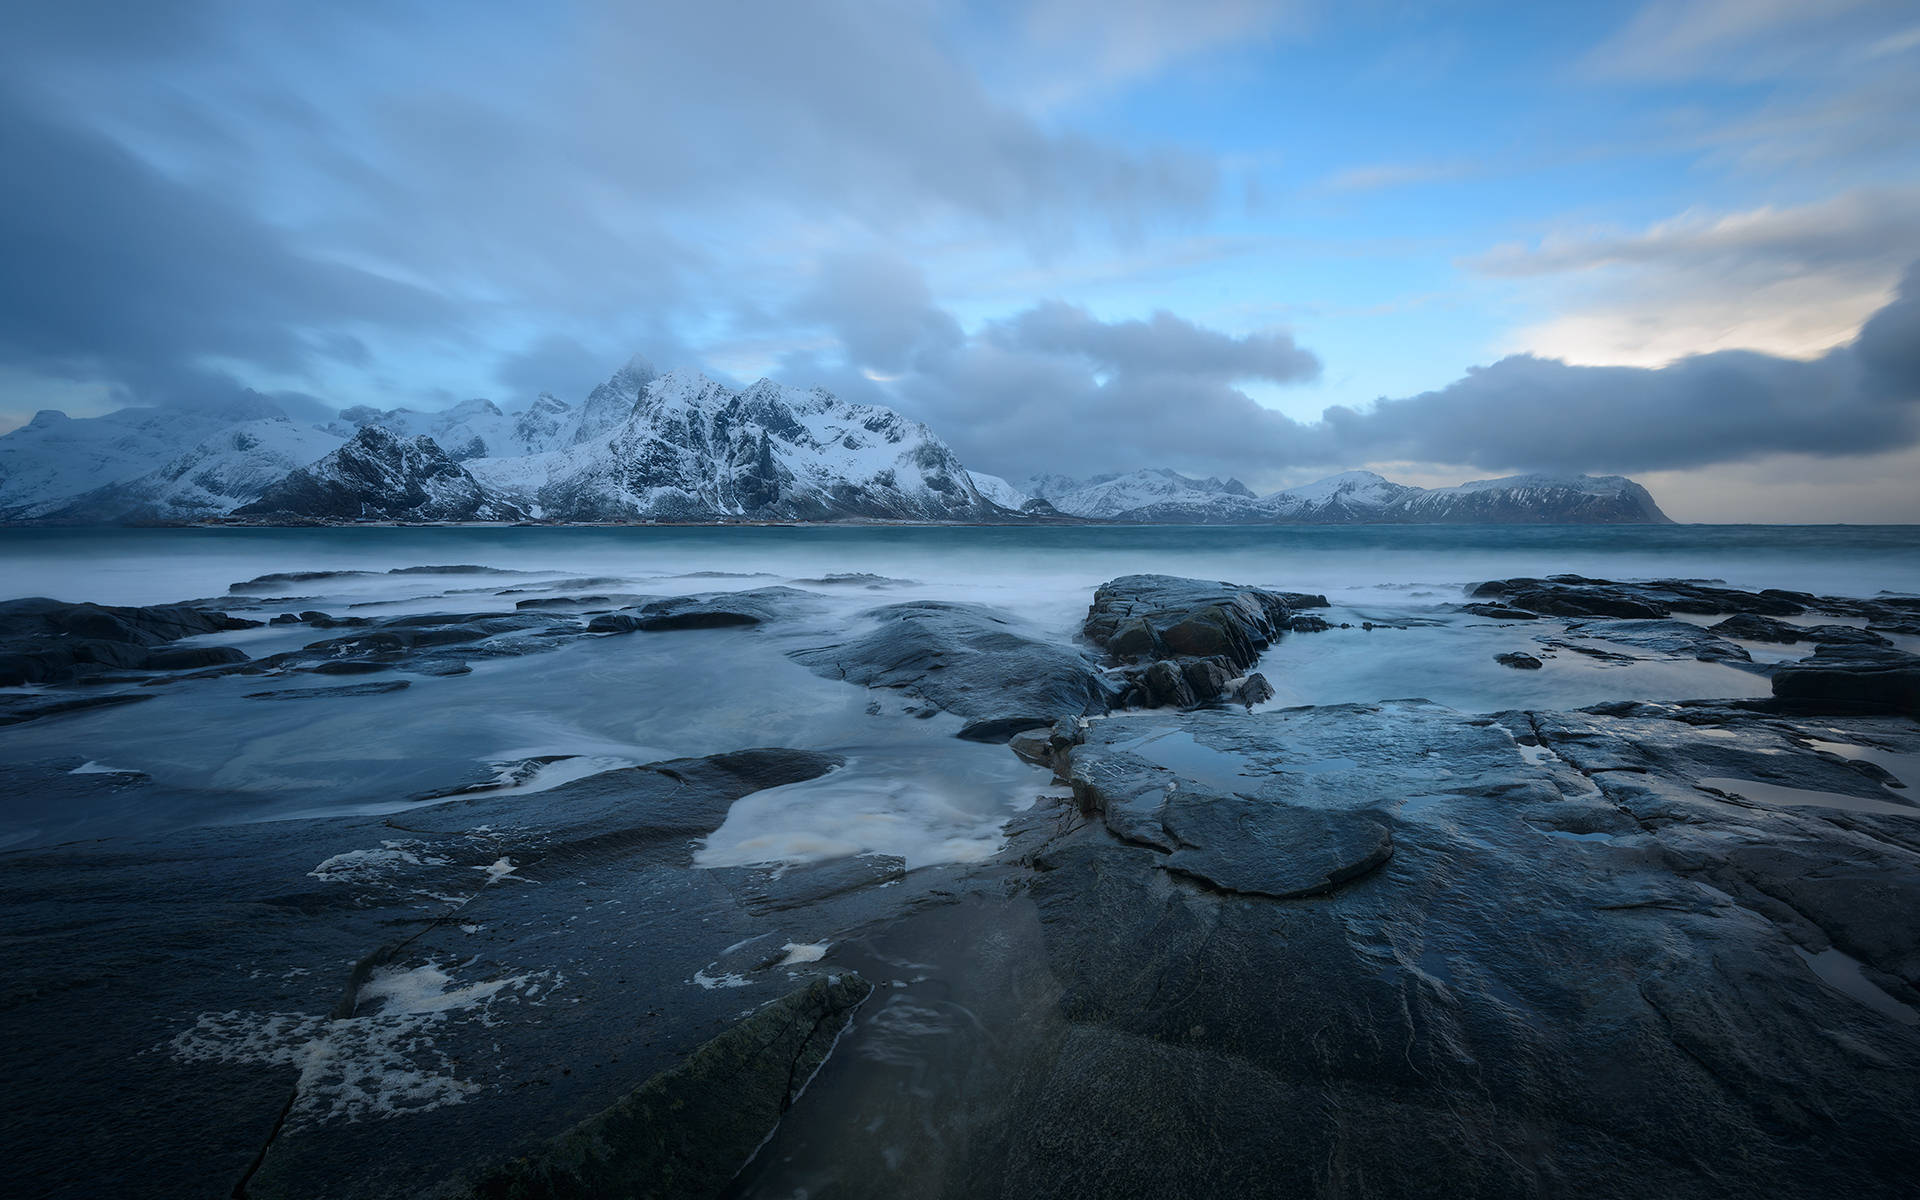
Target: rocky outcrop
<point>1852,678</point>
<point>49,641</point>
<point>1586,964</point>
<point>969,660</point>
<point>1182,641</point>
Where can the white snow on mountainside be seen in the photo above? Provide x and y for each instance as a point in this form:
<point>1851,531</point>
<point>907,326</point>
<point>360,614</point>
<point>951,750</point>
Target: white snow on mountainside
<point>54,457</point>
<point>674,447</point>
<point>693,449</point>
<point>998,490</point>
<point>227,470</point>
<point>1351,497</point>
<point>474,428</point>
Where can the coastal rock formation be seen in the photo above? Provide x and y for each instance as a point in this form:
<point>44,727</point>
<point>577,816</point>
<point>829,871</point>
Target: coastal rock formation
<point>969,660</point>
<point>1182,642</point>
<point>49,641</point>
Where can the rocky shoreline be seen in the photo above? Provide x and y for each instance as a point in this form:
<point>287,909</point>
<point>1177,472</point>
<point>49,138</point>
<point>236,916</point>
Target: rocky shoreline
<point>1387,949</point>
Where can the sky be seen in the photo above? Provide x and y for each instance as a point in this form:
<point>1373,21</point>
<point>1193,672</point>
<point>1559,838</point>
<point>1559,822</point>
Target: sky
<point>1269,240</point>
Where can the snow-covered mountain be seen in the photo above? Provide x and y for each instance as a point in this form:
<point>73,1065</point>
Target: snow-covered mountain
<point>474,428</point>
<point>227,470</point>
<point>678,447</point>
<point>998,490</point>
<point>1533,500</point>
<point>1350,498</point>
<point>1152,496</point>
<point>55,458</point>
<point>691,449</point>
<point>380,476</point>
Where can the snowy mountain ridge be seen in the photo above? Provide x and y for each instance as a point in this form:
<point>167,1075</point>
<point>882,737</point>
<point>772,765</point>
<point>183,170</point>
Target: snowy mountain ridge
<point>673,447</point>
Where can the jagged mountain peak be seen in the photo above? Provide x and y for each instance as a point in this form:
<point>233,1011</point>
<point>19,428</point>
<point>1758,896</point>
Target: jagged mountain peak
<point>381,475</point>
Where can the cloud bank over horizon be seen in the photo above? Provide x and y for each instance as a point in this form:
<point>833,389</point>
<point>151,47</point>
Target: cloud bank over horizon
<point>1262,240</point>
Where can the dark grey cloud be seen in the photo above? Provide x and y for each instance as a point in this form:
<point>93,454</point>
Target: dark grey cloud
<point>1163,345</point>
<point>115,272</point>
<point>1029,395</point>
<point>613,175</point>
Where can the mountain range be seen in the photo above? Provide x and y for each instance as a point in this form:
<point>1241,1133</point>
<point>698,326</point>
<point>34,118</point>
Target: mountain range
<point>674,447</point>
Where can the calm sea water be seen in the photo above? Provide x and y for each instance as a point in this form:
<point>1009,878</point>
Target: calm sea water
<point>152,566</point>
<point>212,755</point>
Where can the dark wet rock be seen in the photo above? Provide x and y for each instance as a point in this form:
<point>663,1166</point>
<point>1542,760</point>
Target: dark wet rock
<point>1514,658</point>
<point>969,660</point>
<point>1184,641</point>
<point>1138,616</point>
<point>327,693</point>
<point>1309,624</point>
<point>1852,678</point>
<point>688,1130</point>
<point>285,619</point>
<point>51,641</point>
<point>614,623</point>
<point>350,666</point>
<point>1500,612</point>
<point>188,658</point>
<point>772,890</point>
<point>577,603</point>
<point>1167,685</point>
<point>715,610</point>
<point>1579,596</point>
<point>1250,690</point>
<point>1546,598</point>
<point>17,708</point>
<point>372,1007</point>
<point>861,579</point>
<point>1035,747</point>
<point>1669,639</point>
<point>1577,971</point>
<point>1752,628</point>
<point>275,581</point>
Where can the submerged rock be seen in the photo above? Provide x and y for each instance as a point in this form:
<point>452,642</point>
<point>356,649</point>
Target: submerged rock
<point>1516,659</point>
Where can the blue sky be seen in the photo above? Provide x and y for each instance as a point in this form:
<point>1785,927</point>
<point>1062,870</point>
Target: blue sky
<point>1072,236</point>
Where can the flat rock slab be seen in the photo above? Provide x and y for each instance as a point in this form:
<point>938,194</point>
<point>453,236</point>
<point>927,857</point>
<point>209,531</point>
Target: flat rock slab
<point>970,660</point>
<point>370,1007</point>
<point>1592,964</point>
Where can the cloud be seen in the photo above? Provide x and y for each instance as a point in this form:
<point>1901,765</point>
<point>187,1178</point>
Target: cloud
<point>1858,226</point>
<point>1055,389</point>
<point>1381,176</point>
<point>1164,345</point>
<point>1078,46</point>
<point>1792,281</point>
<point>116,272</point>
<point>1684,38</point>
<point>282,197</point>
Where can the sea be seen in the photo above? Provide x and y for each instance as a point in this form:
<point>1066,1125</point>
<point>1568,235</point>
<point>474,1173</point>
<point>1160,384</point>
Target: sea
<point>217,755</point>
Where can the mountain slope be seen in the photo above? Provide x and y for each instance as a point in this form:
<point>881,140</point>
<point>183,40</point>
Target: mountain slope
<point>1153,496</point>
<point>379,476</point>
<point>474,428</point>
<point>693,449</point>
<point>227,470</point>
<point>998,490</point>
<point>1161,497</point>
<point>55,458</point>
